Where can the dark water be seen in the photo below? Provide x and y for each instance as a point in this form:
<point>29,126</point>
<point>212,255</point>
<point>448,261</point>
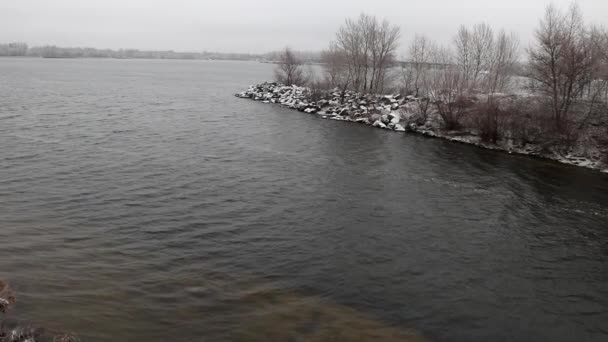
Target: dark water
<point>140,201</point>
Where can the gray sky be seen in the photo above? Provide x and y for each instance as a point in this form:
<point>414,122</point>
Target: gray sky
<point>254,25</point>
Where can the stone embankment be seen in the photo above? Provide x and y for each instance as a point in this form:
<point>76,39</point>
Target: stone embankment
<point>392,112</point>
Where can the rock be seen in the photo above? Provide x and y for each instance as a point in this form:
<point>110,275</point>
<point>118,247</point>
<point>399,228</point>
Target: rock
<point>386,118</point>
<point>399,128</point>
<point>375,117</point>
<point>7,297</point>
<point>379,124</point>
<point>395,120</point>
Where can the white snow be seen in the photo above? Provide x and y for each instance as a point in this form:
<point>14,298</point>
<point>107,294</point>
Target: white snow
<point>379,123</point>
<point>399,128</point>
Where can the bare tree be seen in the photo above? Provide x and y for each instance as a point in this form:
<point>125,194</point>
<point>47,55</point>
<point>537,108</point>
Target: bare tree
<point>502,62</point>
<point>416,70</point>
<point>335,66</point>
<point>289,70</point>
<point>562,61</point>
<point>474,48</point>
<point>383,54</point>
<point>483,47</point>
<point>463,43</point>
<point>369,47</point>
<point>338,73</point>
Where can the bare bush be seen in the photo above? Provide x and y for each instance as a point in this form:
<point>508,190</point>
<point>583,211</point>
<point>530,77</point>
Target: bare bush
<point>289,70</point>
<point>488,118</point>
<point>526,121</point>
<point>446,89</point>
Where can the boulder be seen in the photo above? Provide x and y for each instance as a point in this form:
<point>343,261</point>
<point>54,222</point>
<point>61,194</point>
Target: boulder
<point>399,128</point>
<point>379,124</point>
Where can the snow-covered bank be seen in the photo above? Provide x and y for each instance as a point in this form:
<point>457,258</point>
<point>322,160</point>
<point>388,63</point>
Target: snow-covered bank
<point>396,113</point>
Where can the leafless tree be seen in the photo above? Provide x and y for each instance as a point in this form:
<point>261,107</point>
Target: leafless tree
<point>502,61</point>
<point>474,48</point>
<point>415,71</point>
<point>369,47</point>
<point>483,47</point>
<point>338,72</point>
<point>463,43</point>
<point>383,53</point>
<point>289,69</point>
<point>562,61</point>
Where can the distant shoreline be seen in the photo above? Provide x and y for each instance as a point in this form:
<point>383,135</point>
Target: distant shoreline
<point>135,58</point>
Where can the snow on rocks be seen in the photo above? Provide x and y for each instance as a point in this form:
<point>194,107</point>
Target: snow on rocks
<point>380,111</point>
<point>390,112</point>
<point>379,124</point>
<point>399,128</point>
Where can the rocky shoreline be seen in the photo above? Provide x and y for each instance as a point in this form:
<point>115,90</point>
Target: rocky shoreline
<point>15,331</point>
<point>396,113</point>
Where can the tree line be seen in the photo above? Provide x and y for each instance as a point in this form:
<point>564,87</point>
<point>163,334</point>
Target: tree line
<point>557,87</point>
<point>18,49</point>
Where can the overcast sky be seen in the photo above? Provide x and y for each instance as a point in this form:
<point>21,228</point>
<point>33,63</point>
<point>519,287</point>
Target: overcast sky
<point>254,25</point>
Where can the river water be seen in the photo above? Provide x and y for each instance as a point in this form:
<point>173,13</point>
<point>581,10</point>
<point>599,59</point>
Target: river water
<point>141,201</point>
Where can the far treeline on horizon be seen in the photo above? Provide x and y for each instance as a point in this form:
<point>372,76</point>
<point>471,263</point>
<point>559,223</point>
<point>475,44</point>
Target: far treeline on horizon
<point>21,49</point>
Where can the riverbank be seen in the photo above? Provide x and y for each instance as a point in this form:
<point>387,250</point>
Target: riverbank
<point>402,114</point>
<point>15,331</point>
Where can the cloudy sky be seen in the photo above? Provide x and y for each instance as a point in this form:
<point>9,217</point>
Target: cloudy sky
<point>254,25</point>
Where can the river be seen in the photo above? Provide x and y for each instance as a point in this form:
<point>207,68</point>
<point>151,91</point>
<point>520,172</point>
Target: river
<point>141,201</point>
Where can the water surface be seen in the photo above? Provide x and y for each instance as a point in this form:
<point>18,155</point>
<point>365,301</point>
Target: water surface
<point>140,201</point>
